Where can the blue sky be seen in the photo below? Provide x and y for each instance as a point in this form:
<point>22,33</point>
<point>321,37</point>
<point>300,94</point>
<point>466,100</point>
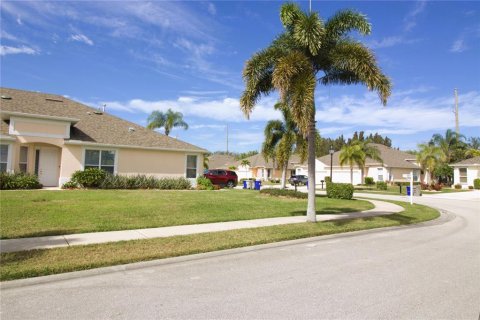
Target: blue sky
<point>188,55</point>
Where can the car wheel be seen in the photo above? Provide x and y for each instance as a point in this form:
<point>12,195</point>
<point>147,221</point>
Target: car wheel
<point>230,184</point>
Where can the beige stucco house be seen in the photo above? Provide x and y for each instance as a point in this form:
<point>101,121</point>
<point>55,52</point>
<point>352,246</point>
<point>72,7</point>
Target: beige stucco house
<point>395,165</point>
<point>53,136</point>
<point>258,168</point>
<point>464,172</point>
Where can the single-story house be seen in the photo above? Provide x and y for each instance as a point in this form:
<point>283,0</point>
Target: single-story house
<point>395,165</point>
<point>464,172</point>
<point>220,161</point>
<point>53,136</point>
<point>258,168</point>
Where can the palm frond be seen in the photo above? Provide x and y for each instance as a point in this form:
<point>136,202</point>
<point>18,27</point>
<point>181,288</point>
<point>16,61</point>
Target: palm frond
<point>289,14</point>
<point>308,31</point>
<point>345,21</point>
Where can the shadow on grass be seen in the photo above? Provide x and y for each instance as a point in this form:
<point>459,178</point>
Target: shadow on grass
<point>327,210</point>
<point>398,218</point>
<point>45,233</point>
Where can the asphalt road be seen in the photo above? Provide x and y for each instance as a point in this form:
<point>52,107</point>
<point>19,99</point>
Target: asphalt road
<point>421,272</point>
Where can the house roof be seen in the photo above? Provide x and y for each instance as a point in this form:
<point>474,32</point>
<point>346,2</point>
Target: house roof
<point>391,158</point>
<point>220,161</point>
<point>90,127</point>
<point>258,161</point>
<point>475,161</point>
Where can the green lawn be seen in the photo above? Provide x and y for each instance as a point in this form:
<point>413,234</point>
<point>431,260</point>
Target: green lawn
<point>35,263</point>
<point>41,212</point>
<point>395,190</point>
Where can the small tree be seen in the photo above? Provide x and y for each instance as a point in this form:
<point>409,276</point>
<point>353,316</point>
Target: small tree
<point>167,120</point>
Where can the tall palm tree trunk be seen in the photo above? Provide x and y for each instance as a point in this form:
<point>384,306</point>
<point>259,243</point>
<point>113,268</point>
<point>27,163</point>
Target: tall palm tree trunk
<point>351,174</point>
<point>311,210</point>
<point>284,176</point>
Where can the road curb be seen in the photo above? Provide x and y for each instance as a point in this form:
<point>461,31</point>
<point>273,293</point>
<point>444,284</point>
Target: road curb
<point>445,216</point>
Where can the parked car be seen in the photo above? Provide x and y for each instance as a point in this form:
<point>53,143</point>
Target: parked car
<point>222,177</point>
<point>298,179</point>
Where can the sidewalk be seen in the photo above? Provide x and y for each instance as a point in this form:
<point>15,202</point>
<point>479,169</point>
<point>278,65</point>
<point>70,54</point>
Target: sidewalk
<point>21,244</point>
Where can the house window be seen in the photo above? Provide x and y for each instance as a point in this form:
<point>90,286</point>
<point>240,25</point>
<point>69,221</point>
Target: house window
<point>3,157</point>
<point>380,174</point>
<point>23,161</point>
<point>101,159</point>
<point>415,176</point>
<point>463,175</point>
<point>37,160</point>
<point>191,166</point>
<point>269,173</point>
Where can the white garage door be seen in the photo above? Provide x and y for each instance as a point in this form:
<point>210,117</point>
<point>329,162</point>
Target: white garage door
<point>343,176</point>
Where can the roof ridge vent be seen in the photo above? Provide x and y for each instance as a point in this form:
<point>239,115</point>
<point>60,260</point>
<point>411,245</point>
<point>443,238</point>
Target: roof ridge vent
<point>6,97</point>
<point>131,129</point>
<point>53,100</point>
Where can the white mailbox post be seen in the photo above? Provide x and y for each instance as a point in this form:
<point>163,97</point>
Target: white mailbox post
<point>410,176</point>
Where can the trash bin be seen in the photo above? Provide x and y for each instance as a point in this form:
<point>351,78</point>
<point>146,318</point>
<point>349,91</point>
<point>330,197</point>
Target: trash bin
<point>258,184</point>
<point>245,186</point>
<point>417,191</point>
<point>408,190</point>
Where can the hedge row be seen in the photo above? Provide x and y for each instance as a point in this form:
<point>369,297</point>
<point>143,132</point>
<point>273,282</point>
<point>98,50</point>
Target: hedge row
<point>97,178</point>
<point>340,190</point>
<point>284,193</point>
<point>18,180</point>
<point>476,184</point>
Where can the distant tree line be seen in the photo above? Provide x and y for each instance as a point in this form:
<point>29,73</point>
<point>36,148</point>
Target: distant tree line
<point>323,144</point>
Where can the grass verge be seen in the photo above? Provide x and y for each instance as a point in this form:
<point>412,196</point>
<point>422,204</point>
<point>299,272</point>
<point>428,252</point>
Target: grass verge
<point>43,213</point>
<point>26,264</point>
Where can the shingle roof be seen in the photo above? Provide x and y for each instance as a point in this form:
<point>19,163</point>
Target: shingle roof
<point>91,127</point>
<point>258,160</point>
<point>475,161</point>
<point>391,158</point>
<point>220,161</point>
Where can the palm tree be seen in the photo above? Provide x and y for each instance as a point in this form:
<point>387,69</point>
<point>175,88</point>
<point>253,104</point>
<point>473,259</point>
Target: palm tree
<point>281,139</point>
<point>429,157</point>
<point>371,152</point>
<point>245,163</point>
<point>451,145</point>
<point>167,120</point>
<point>352,154</point>
<point>308,51</point>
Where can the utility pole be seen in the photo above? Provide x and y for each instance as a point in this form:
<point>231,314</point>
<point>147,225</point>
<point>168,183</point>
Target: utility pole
<point>227,138</point>
<point>457,126</point>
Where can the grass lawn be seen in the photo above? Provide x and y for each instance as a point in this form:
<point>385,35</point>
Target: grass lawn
<point>41,213</point>
<point>395,190</point>
<point>35,263</point>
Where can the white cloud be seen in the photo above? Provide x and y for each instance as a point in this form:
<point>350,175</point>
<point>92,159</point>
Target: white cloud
<point>5,35</point>
<point>207,126</point>
<point>390,42</point>
<point>227,109</point>
<point>212,9</point>
<point>81,38</point>
<point>6,50</point>
<point>403,115</point>
<point>410,19</point>
<point>458,46</point>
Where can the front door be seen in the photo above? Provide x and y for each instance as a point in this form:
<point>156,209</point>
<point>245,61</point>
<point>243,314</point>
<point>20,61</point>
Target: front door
<point>48,167</point>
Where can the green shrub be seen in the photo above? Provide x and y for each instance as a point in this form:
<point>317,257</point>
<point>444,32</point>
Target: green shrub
<point>174,184</point>
<point>204,184</point>
<point>144,182</point>
<point>284,193</point>
<point>470,187</point>
<point>89,178</point>
<point>476,184</point>
<point>381,185</point>
<point>458,186</point>
<point>340,190</point>
<point>328,179</point>
<point>369,181</point>
<point>70,185</point>
<point>18,180</point>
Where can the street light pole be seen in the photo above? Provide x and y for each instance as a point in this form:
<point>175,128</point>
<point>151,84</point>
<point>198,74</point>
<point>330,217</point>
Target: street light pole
<point>331,162</point>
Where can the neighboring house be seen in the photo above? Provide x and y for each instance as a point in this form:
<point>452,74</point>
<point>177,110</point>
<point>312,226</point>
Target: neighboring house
<point>53,136</point>
<point>464,172</point>
<point>220,161</point>
<point>395,165</point>
<point>264,170</point>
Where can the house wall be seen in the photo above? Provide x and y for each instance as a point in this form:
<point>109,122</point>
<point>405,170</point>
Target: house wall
<point>71,161</point>
<point>155,162</point>
<point>39,127</point>
<point>473,173</point>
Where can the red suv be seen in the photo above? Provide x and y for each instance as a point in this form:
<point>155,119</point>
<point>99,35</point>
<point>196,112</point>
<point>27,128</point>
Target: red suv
<point>222,177</point>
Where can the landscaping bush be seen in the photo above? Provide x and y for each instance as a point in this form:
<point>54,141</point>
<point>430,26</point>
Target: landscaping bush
<point>476,184</point>
<point>381,185</point>
<point>328,179</point>
<point>470,187</point>
<point>70,185</point>
<point>340,190</point>
<point>89,178</point>
<point>458,186</point>
<point>174,184</point>
<point>369,181</point>
<point>204,184</point>
<point>18,180</point>
<point>284,193</point>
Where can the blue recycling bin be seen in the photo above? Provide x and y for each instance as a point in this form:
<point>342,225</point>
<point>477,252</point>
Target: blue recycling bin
<point>408,190</point>
<point>244,184</point>
<point>258,184</point>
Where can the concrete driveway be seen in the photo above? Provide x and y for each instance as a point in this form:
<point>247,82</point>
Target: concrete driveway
<point>430,271</point>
